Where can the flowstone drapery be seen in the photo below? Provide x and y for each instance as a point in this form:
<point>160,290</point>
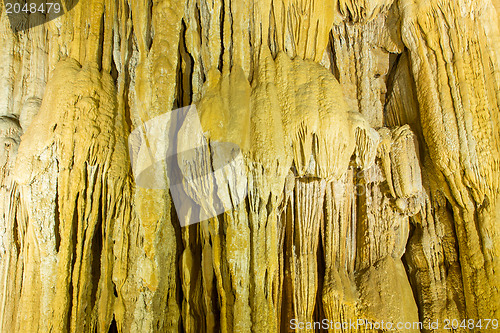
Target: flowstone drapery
<point>366,187</point>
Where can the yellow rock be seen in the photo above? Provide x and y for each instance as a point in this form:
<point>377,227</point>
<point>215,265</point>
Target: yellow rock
<point>346,171</point>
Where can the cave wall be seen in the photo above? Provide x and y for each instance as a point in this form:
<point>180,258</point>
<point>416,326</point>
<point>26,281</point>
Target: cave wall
<point>367,184</point>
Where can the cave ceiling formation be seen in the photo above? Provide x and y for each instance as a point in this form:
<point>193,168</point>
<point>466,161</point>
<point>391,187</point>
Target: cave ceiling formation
<point>338,160</point>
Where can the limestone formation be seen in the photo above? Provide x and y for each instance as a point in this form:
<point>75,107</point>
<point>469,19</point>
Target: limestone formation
<point>353,147</point>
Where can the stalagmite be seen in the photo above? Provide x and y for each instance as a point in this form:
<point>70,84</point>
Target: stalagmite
<point>250,166</point>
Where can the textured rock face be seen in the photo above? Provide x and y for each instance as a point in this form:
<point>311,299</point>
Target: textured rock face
<point>367,188</point>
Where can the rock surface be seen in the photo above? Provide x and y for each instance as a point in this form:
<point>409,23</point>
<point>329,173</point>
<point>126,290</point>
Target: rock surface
<point>365,188</point>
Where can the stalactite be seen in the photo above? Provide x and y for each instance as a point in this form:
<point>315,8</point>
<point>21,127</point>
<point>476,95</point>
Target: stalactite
<point>451,60</point>
<point>340,299</point>
<point>316,160</point>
